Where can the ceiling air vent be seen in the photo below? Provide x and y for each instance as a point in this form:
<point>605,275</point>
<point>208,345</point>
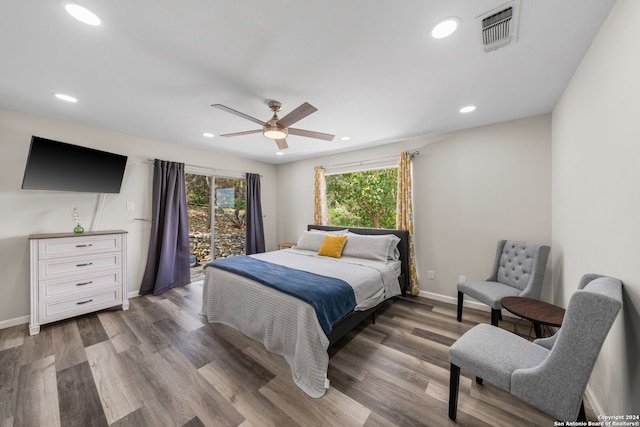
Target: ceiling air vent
<point>499,27</point>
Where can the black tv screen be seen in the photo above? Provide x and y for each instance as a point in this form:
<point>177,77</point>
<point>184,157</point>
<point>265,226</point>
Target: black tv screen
<point>58,166</point>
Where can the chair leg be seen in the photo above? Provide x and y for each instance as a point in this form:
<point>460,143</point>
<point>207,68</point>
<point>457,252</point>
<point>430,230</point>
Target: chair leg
<point>454,384</point>
<point>460,299</point>
<point>495,316</point>
<point>582,415</point>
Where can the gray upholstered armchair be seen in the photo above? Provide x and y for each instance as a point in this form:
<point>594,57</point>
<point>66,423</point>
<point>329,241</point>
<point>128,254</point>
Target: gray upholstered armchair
<point>518,270</point>
<point>550,373</point>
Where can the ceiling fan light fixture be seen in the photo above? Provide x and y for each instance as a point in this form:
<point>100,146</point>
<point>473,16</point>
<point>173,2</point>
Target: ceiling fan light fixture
<point>274,132</point>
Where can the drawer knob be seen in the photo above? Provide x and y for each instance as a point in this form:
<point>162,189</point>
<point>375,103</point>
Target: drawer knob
<point>84,246</point>
<point>84,265</point>
<point>84,283</point>
<point>83,302</point>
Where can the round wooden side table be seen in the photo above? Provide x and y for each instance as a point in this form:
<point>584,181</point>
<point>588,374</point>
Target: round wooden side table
<point>538,312</point>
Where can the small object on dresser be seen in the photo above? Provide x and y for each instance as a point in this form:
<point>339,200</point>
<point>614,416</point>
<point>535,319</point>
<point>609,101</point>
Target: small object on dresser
<point>76,217</point>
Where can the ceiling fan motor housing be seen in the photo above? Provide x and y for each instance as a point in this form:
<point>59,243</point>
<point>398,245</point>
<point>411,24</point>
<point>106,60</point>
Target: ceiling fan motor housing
<point>273,130</point>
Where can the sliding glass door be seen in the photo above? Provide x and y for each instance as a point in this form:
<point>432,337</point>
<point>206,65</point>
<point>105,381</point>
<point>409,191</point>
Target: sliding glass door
<point>216,208</point>
<point>229,217</point>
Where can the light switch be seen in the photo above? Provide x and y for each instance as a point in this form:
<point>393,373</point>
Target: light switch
<point>130,206</point>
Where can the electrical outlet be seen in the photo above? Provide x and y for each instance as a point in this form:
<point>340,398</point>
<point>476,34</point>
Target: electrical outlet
<point>462,279</point>
<point>431,274</point>
<point>130,206</point>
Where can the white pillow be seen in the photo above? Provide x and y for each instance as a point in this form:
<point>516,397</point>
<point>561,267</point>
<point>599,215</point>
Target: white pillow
<point>310,240</point>
<point>394,252</point>
<point>380,247</point>
<point>339,232</point>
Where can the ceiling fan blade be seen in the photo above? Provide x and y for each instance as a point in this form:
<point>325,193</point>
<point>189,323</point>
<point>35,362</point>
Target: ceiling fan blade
<point>311,134</point>
<point>298,114</point>
<point>238,113</point>
<point>246,132</point>
<point>282,144</point>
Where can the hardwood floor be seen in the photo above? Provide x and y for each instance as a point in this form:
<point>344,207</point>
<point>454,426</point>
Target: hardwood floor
<point>161,364</point>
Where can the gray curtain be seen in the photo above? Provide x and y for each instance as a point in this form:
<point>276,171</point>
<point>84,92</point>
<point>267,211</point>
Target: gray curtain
<point>255,228</point>
<point>168,259</point>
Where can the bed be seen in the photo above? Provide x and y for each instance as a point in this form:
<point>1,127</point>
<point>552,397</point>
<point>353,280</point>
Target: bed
<point>236,293</point>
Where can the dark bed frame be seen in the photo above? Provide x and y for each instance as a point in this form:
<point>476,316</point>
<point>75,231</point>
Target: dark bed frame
<point>347,323</point>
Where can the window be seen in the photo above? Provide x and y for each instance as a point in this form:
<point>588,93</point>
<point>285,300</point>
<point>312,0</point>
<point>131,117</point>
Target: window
<point>363,199</point>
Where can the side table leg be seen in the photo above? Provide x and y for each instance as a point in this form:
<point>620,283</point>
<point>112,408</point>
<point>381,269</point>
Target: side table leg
<point>538,329</point>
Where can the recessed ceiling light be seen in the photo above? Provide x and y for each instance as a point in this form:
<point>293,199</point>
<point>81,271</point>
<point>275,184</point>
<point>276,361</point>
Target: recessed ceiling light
<point>82,14</point>
<point>345,138</point>
<point>468,109</point>
<point>279,153</point>
<point>445,28</point>
<point>63,97</point>
<point>208,135</point>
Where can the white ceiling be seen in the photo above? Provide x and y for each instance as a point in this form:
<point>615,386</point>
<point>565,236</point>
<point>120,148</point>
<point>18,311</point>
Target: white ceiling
<point>154,67</point>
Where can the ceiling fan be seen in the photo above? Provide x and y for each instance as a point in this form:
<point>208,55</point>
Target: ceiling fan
<point>278,129</point>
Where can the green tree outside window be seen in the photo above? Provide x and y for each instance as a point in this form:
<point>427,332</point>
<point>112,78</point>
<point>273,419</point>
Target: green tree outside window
<point>363,199</point>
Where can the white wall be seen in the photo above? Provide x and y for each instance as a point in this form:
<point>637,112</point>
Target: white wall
<point>475,187</point>
<point>471,189</point>
<point>24,212</point>
<point>596,196</point>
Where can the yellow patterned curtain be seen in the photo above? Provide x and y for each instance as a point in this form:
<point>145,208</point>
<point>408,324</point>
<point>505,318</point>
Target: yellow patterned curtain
<point>404,215</point>
<point>320,213</point>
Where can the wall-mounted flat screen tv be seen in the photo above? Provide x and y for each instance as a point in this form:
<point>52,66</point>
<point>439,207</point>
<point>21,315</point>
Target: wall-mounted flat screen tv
<point>58,166</point>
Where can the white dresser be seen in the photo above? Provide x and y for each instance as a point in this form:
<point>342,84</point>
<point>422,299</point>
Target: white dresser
<point>73,274</point>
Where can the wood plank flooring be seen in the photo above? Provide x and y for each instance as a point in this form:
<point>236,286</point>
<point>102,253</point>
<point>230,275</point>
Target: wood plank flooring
<point>162,364</point>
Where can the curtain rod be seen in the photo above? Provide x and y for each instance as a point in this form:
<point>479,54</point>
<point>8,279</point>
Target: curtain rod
<point>364,162</point>
<point>213,170</point>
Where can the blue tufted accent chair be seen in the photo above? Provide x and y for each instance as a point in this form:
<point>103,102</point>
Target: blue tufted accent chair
<point>518,270</point>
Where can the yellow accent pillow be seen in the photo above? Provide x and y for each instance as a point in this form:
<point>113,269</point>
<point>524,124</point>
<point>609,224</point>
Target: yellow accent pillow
<point>332,246</point>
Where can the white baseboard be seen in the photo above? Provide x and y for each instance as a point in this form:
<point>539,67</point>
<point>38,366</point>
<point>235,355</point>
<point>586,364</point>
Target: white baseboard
<point>450,300</point>
<point>454,300</point>
<point>14,322</point>
<point>595,405</point>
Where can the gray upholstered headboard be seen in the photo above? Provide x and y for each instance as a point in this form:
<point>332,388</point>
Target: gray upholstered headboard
<point>403,246</point>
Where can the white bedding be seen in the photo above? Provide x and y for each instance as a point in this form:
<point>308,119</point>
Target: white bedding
<point>286,325</point>
<point>372,281</point>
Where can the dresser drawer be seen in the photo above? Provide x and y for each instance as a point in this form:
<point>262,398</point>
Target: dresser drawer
<point>80,283</point>
<point>62,309</point>
<point>77,266</point>
<point>82,245</point>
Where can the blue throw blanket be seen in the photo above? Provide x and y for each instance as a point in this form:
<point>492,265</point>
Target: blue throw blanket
<point>331,298</point>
